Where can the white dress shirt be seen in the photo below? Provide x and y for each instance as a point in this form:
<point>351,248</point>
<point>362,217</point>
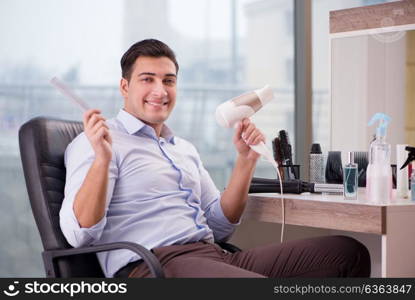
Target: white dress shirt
<point>159,193</point>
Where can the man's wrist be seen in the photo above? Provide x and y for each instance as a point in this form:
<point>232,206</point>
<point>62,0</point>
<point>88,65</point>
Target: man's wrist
<point>101,162</point>
<point>247,162</point>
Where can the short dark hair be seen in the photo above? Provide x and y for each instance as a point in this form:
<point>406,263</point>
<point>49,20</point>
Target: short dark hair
<point>149,47</point>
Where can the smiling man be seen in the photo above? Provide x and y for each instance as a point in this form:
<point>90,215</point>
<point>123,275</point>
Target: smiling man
<point>149,90</point>
<point>131,179</point>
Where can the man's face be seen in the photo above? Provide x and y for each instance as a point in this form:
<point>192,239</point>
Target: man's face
<point>150,94</point>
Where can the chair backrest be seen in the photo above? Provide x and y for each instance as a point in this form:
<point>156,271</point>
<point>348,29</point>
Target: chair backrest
<point>42,143</point>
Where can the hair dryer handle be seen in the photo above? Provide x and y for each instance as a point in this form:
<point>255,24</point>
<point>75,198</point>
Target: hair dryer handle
<point>262,149</point>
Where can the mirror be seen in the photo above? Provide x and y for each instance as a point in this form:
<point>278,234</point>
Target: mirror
<point>372,71</point>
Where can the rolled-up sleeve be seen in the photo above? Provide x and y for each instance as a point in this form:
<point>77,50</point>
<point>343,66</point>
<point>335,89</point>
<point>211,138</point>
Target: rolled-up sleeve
<point>79,157</point>
<point>210,198</point>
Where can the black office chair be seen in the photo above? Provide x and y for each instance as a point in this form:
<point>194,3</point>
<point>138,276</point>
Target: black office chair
<point>42,143</point>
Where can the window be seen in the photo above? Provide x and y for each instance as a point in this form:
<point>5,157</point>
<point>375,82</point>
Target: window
<point>224,48</point>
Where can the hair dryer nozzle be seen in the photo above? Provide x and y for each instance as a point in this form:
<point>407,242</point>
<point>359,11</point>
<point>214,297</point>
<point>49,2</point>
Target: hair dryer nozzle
<point>221,111</point>
<point>229,113</point>
<point>265,94</point>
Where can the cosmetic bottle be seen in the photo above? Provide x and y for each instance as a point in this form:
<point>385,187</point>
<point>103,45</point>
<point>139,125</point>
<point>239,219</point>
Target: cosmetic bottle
<point>317,165</point>
<point>350,178</point>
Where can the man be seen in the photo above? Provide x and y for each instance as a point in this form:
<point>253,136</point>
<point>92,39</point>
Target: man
<point>131,179</point>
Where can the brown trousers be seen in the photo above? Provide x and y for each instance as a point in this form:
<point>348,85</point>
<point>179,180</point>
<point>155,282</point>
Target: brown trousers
<point>331,256</point>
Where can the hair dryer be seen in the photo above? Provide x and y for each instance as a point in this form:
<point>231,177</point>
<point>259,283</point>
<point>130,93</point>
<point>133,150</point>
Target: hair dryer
<point>230,113</point>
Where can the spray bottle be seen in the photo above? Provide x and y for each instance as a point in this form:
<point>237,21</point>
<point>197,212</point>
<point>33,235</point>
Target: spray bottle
<point>379,172</point>
<point>402,188</point>
<point>410,159</point>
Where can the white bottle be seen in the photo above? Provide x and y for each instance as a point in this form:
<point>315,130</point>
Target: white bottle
<point>379,172</point>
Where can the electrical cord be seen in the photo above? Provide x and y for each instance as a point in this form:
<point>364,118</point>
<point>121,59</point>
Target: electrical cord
<point>275,165</point>
<point>271,160</point>
<point>285,152</point>
<point>282,202</point>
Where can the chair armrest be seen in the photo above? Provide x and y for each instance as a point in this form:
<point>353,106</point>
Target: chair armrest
<point>148,257</point>
<point>229,247</point>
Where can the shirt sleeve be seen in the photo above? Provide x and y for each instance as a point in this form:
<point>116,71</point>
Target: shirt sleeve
<point>79,157</point>
<point>210,198</point>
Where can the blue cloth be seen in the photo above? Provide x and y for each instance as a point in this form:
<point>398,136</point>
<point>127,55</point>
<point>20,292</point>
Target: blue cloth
<point>158,193</point>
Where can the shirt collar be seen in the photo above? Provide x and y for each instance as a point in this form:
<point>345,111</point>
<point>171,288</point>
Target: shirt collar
<point>134,125</point>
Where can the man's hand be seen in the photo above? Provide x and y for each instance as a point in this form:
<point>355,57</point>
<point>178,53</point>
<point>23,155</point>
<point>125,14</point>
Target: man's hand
<point>247,134</point>
<point>233,199</point>
<point>98,135</point>
<point>89,203</point>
